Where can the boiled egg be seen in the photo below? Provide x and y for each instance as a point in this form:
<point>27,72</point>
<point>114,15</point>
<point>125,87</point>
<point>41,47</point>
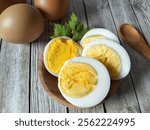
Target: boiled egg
<point>57,52</point>
<point>112,55</point>
<point>21,23</point>
<point>84,82</point>
<point>98,33</point>
<point>54,10</point>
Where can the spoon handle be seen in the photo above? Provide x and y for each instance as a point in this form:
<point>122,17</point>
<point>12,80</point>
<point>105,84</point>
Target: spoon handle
<point>142,48</point>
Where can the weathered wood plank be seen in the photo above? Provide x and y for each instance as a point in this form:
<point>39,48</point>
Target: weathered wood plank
<point>99,15</point>
<point>14,78</point>
<point>39,101</point>
<point>140,72</point>
<point>142,12</point>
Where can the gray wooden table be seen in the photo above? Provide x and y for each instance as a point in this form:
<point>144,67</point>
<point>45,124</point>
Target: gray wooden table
<point>20,88</point>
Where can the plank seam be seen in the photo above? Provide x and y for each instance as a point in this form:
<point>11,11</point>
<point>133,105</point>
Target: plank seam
<point>86,17</point>
<point>67,110</point>
<point>30,79</point>
<point>0,44</point>
<point>121,43</point>
<point>136,94</point>
<point>105,110</point>
<point>30,2</point>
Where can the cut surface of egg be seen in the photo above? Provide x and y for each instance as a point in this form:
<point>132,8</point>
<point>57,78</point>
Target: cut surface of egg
<point>84,82</point>
<point>98,33</point>
<point>57,52</point>
<point>112,55</point>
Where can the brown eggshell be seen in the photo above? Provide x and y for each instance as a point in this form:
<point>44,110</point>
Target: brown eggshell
<point>6,3</point>
<point>53,9</point>
<point>21,23</point>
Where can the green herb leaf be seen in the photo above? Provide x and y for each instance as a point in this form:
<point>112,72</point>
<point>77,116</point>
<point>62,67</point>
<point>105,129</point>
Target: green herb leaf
<point>57,29</point>
<point>73,22</point>
<point>80,27</point>
<point>73,29</point>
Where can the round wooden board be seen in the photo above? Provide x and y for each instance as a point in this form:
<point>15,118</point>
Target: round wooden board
<point>50,85</point>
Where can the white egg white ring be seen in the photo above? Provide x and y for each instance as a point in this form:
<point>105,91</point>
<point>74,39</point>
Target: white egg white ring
<point>124,56</point>
<point>101,90</point>
<point>45,54</point>
<point>101,31</point>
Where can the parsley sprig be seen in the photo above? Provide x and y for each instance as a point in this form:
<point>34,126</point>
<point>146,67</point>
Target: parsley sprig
<point>73,29</point>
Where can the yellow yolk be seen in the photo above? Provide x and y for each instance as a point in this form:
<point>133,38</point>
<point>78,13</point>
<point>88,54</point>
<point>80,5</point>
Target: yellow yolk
<point>78,79</point>
<point>108,57</point>
<point>59,51</point>
<point>89,39</point>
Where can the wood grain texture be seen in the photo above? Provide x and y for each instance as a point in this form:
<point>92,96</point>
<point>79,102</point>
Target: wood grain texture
<point>14,78</point>
<point>140,72</point>
<point>141,9</point>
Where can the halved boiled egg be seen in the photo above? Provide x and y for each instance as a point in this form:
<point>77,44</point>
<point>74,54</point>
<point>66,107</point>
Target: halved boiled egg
<point>58,51</point>
<point>84,82</point>
<point>112,55</point>
<point>98,33</point>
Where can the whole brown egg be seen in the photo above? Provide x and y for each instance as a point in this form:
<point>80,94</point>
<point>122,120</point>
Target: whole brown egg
<point>53,9</point>
<point>21,23</point>
<point>6,3</point>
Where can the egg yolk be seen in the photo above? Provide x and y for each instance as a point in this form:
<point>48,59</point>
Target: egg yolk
<point>108,57</point>
<point>59,51</point>
<point>89,39</point>
<point>78,79</point>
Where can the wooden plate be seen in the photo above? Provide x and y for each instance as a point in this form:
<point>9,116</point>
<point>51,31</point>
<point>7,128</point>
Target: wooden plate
<point>50,85</point>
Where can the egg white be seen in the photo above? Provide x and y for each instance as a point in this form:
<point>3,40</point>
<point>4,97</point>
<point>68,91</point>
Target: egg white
<point>124,57</point>
<point>46,50</point>
<point>102,87</point>
<point>101,31</point>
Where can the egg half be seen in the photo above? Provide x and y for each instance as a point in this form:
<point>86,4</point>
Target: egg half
<point>98,33</point>
<point>57,52</point>
<point>112,55</point>
<point>84,82</point>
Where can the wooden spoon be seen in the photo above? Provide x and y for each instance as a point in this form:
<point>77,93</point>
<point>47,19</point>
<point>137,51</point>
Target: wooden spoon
<point>132,37</point>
